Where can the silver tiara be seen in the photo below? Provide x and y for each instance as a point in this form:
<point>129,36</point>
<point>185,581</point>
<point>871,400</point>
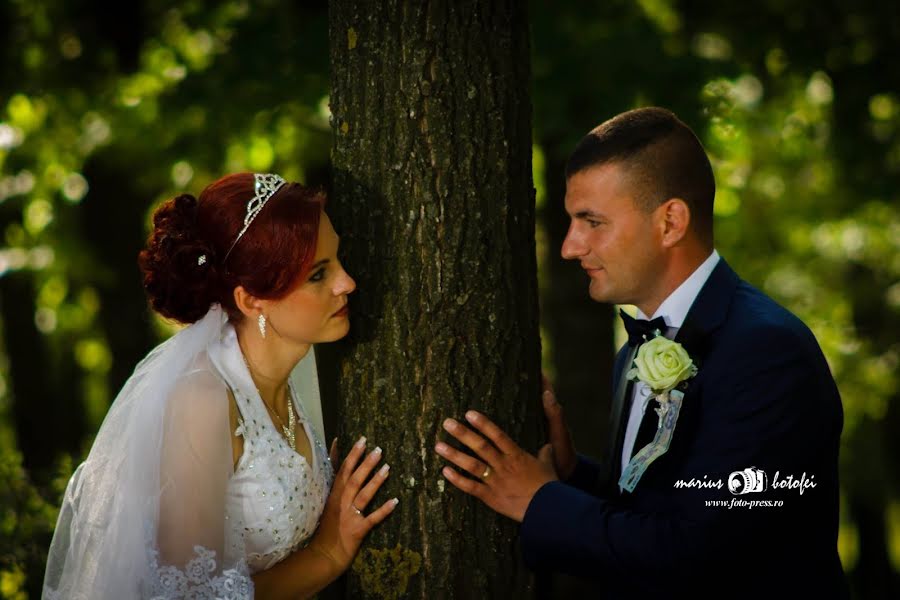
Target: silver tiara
<point>264,186</point>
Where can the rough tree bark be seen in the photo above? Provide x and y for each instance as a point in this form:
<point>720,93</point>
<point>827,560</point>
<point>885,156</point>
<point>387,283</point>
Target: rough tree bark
<point>434,202</point>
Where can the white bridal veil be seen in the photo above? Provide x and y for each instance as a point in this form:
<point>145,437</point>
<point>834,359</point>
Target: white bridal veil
<point>145,512</point>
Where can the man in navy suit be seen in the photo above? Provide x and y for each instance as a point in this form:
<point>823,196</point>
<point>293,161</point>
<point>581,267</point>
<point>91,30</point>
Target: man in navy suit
<point>744,501</point>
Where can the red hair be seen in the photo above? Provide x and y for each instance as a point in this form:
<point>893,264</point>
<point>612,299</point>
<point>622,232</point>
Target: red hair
<point>270,259</point>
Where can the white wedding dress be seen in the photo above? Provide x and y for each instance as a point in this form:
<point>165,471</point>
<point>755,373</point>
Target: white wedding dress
<point>158,510</point>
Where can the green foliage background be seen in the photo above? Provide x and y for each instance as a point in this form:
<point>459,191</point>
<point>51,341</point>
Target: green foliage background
<point>108,109</point>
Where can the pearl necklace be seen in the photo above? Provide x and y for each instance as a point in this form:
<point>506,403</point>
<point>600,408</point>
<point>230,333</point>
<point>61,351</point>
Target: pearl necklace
<point>287,430</point>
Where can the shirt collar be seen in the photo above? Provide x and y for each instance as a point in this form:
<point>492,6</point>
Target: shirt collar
<point>674,309</point>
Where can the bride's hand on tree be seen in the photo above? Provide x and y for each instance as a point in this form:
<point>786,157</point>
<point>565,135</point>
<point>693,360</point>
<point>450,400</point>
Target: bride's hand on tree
<point>344,523</point>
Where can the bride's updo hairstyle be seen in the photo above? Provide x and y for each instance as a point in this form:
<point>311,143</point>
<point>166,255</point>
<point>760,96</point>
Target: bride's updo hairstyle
<point>184,264</point>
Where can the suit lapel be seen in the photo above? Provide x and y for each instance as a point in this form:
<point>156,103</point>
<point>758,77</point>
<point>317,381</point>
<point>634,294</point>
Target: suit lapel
<point>617,417</point>
<point>709,310</point>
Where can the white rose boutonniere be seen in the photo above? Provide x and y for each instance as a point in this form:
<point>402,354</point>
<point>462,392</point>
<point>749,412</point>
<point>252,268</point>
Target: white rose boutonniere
<point>664,366</point>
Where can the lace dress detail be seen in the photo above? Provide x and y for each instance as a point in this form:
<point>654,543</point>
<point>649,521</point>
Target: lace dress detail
<point>198,580</point>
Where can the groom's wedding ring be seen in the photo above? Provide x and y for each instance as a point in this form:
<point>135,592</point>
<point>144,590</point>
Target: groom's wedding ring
<point>359,512</point>
<point>487,472</point>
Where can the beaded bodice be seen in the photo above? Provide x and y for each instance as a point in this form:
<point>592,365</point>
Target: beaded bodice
<point>275,497</point>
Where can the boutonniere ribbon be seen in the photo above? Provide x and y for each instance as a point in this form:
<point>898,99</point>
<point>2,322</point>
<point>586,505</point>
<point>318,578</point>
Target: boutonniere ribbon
<point>664,366</point>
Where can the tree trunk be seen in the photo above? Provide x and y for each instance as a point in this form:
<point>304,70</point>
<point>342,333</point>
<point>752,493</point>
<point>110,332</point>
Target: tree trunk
<point>434,202</point>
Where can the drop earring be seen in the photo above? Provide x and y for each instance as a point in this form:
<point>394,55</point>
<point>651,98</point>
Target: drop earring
<point>261,321</point>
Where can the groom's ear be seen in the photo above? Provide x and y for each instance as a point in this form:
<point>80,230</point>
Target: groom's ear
<point>676,216</point>
<point>249,305</point>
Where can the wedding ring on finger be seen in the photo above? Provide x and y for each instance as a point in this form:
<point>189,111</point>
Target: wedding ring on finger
<point>353,506</point>
<point>487,473</point>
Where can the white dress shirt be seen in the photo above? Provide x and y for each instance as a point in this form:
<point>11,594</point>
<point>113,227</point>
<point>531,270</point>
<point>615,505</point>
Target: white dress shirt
<point>673,309</point>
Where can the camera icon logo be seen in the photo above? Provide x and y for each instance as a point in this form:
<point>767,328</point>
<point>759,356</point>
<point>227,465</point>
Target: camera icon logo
<point>749,480</point>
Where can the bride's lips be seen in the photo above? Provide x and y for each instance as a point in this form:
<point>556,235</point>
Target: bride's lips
<point>343,312</point>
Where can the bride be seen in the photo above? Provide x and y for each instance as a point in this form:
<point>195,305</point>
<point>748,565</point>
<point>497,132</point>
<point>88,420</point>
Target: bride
<point>208,477</point>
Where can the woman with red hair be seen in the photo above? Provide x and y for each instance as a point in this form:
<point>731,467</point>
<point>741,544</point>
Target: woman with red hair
<point>209,477</point>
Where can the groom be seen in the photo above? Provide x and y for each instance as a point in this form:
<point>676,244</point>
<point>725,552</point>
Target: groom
<point>743,502</point>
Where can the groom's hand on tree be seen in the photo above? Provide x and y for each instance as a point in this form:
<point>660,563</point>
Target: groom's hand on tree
<point>564,456</point>
<point>507,476</point>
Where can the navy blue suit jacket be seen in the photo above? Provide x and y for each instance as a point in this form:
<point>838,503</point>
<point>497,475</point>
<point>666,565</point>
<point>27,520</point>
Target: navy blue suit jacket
<point>763,398</point>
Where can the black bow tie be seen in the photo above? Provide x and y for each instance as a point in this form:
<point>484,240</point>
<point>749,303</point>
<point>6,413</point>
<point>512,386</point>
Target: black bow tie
<point>641,330</point>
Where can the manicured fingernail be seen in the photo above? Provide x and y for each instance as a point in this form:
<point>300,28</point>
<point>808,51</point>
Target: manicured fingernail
<point>361,442</point>
<point>471,415</point>
<point>446,471</point>
<point>449,424</point>
<point>396,501</point>
<point>377,450</point>
<point>383,470</point>
<point>441,447</point>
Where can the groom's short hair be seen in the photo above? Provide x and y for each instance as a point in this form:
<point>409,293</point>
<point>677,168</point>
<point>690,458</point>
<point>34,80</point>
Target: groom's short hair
<point>662,159</point>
